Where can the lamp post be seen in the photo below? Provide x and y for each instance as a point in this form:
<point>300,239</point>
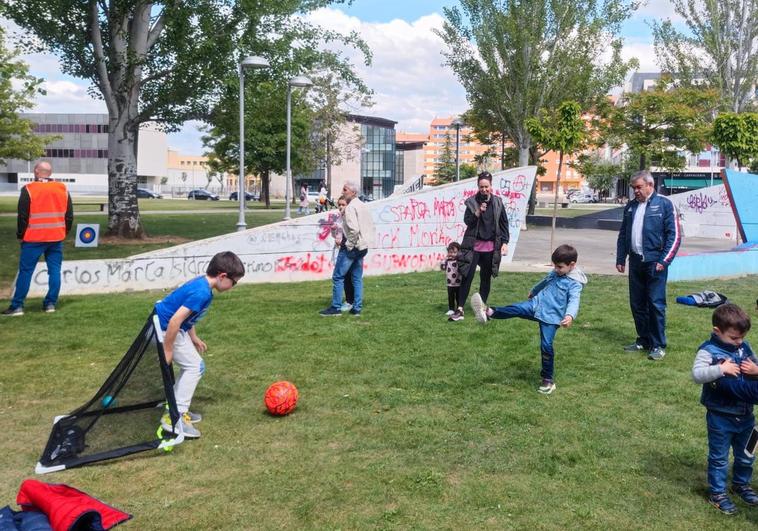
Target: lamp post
<point>457,123</point>
<point>297,81</point>
<point>252,62</point>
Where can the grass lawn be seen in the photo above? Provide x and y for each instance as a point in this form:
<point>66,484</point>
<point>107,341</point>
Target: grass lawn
<point>8,204</point>
<point>405,421</point>
<point>182,226</point>
<point>573,211</point>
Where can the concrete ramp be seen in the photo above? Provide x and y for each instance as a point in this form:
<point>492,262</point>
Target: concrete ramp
<point>742,195</point>
<point>412,233</point>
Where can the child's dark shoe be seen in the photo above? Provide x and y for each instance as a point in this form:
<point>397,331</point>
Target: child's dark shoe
<point>747,494</point>
<point>722,503</point>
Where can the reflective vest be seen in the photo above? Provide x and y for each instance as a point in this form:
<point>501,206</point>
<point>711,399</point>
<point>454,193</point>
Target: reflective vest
<point>48,202</point>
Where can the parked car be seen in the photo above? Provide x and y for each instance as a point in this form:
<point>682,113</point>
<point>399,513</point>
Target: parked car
<point>144,193</point>
<point>248,196</point>
<point>583,198</point>
<point>201,194</point>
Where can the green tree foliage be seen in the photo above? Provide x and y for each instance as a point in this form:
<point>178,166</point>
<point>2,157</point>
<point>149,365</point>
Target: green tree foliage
<point>718,49</point>
<point>661,123</point>
<point>164,61</point>
<point>265,134</point>
<point>736,135</point>
<point>600,173</point>
<point>444,170</point>
<point>563,131</point>
<point>517,57</point>
<point>468,171</point>
<point>17,91</point>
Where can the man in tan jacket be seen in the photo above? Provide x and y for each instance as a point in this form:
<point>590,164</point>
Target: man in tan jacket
<point>359,234</point>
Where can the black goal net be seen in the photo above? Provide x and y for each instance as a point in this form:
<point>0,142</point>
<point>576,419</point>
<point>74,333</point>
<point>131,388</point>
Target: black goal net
<point>124,416</point>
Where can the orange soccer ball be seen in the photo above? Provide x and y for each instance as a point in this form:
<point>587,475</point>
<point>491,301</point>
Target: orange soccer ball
<point>280,398</point>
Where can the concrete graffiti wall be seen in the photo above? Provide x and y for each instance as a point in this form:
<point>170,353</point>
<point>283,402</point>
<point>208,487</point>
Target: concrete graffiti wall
<point>706,213</point>
<point>412,232</point>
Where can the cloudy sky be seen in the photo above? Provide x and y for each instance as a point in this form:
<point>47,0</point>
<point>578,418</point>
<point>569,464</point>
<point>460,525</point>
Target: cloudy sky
<point>411,86</point>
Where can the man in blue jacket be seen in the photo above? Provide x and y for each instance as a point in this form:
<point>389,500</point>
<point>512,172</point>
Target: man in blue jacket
<point>650,236</point>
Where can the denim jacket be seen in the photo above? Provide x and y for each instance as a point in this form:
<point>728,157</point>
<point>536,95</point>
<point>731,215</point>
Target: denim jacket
<point>661,233</point>
<point>710,397</point>
<point>555,297</point>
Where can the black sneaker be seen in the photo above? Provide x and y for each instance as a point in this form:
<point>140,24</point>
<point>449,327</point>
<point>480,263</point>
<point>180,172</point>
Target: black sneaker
<point>457,316</point>
<point>354,312</point>
<point>49,308</point>
<point>13,311</point>
<point>747,494</point>
<point>330,312</point>
<point>722,503</point>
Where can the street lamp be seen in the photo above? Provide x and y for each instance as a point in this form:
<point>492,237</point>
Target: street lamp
<point>457,123</point>
<point>297,81</point>
<point>252,62</point>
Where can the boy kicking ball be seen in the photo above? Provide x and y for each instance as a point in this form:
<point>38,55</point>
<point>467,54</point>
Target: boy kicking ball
<point>553,302</point>
<point>178,313</point>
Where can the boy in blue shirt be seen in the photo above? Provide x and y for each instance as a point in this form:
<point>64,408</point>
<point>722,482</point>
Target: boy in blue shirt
<point>553,302</point>
<point>178,313</point>
<point>729,404</point>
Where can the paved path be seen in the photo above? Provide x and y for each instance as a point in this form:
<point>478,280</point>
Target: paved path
<point>597,249</point>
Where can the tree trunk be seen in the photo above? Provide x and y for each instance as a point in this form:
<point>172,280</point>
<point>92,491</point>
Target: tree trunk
<point>329,165</point>
<point>523,154</point>
<point>265,177</point>
<point>123,210</point>
<point>502,150</point>
<point>555,200</point>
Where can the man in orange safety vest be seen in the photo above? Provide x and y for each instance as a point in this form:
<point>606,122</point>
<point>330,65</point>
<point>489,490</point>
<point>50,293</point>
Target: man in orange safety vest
<point>45,216</point>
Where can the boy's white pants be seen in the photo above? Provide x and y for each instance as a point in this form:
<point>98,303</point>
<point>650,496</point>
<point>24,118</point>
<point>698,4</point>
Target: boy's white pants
<point>191,369</point>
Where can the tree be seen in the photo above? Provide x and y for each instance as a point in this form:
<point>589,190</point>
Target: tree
<point>333,141</point>
<point>265,135</point>
<point>17,139</point>
<point>516,57</point>
<point>720,48</point>
<point>658,124</point>
<point>600,174</point>
<point>444,169</point>
<point>160,62</point>
<point>468,171</point>
<point>565,132</point>
<point>736,135</point>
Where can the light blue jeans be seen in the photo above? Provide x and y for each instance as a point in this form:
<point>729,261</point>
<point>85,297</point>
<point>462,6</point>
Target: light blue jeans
<point>30,254</point>
<point>525,310</point>
<point>348,263</point>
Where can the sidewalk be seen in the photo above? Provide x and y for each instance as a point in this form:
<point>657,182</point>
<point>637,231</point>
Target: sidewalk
<point>597,249</point>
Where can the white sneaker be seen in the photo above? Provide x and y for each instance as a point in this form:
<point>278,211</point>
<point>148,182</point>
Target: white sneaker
<point>449,312</point>
<point>190,432</point>
<point>480,309</point>
<point>346,307</point>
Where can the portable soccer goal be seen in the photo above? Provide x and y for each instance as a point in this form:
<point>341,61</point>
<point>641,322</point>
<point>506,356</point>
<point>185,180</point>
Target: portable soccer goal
<point>124,416</point>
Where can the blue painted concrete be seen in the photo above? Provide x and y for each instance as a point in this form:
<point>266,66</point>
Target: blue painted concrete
<point>742,260</point>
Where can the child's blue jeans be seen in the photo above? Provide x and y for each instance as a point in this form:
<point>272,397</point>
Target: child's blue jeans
<point>725,431</point>
<point>525,310</point>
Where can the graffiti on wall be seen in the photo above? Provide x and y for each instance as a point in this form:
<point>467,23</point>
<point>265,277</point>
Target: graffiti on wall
<point>706,213</point>
<point>412,233</point>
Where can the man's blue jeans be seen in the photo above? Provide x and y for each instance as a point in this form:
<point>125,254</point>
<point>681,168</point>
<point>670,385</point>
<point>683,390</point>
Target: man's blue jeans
<point>348,263</point>
<point>725,431</point>
<point>647,298</point>
<point>525,310</point>
<point>30,254</point>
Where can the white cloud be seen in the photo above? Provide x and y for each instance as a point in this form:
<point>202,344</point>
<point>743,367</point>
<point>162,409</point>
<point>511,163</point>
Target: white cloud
<point>644,52</point>
<point>410,84</point>
<point>65,96</point>
<point>657,9</point>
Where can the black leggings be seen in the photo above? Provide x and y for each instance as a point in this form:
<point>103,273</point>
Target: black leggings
<point>484,261</point>
<point>452,297</point>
